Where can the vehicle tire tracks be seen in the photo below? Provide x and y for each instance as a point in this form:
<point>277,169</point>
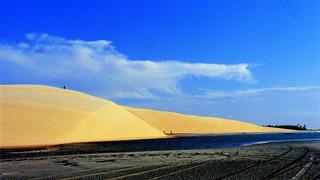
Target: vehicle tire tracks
<point>287,166</point>
<point>257,164</point>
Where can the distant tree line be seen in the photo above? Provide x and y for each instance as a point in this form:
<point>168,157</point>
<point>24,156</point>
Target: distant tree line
<point>293,127</point>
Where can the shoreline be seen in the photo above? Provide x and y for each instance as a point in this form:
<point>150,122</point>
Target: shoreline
<point>179,143</point>
<point>281,141</point>
<point>168,136</point>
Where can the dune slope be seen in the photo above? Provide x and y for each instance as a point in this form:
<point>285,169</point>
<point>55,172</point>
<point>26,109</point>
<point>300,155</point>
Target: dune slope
<point>180,123</point>
<point>39,115</point>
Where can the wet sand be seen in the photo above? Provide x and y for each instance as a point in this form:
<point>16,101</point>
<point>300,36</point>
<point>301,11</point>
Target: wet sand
<point>298,160</point>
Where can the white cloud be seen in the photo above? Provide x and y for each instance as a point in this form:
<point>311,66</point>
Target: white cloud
<point>99,63</point>
<point>254,92</point>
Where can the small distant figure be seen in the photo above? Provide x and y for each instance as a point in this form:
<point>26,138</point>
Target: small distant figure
<point>64,87</point>
<point>168,133</point>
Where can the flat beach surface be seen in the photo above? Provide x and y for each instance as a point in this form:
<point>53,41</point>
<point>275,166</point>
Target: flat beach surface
<point>262,161</point>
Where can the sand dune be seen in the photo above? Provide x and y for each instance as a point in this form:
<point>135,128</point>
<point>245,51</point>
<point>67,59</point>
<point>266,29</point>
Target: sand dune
<point>180,123</point>
<point>41,115</point>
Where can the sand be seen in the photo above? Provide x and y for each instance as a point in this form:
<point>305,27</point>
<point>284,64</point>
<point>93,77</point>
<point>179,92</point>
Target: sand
<point>180,124</point>
<point>287,160</point>
<point>39,115</point>
<point>33,115</point>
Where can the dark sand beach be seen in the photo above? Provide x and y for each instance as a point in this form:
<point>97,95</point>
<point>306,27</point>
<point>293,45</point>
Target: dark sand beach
<point>281,160</point>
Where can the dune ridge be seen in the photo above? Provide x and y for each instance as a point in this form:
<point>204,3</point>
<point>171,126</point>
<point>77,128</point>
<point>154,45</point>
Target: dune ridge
<point>188,124</point>
<point>40,115</point>
<point>33,115</point>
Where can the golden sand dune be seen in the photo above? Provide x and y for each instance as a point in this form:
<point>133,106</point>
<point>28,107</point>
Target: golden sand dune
<point>180,123</point>
<point>41,115</point>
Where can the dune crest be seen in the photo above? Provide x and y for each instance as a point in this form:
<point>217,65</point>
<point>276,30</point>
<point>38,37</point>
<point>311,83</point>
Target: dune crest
<point>40,115</point>
<point>32,115</point>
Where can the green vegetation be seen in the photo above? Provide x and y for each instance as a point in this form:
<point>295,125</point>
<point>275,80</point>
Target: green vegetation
<point>293,127</point>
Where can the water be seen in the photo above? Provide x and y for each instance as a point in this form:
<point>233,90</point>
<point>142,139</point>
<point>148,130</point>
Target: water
<point>226,141</point>
<point>198,142</point>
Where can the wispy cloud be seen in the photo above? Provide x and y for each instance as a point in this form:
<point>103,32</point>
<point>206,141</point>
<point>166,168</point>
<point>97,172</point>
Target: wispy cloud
<point>99,63</point>
<point>210,94</point>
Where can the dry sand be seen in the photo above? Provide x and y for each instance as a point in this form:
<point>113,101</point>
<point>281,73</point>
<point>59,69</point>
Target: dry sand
<point>40,115</point>
<point>183,124</point>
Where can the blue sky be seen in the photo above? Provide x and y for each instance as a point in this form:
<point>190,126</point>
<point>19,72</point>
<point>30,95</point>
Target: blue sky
<point>256,61</point>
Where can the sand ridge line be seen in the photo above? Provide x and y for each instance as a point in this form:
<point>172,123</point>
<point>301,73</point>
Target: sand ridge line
<point>154,168</point>
<point>108,172</point>
<point>304,169</point>
<point>102,168</point>
<point>148,171</point>
<point>255,165</point>
<point>316,176</point>
<point>177,165</point>
<point>205,163</point>
<point>125,169</point>
<point>287,166</point>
